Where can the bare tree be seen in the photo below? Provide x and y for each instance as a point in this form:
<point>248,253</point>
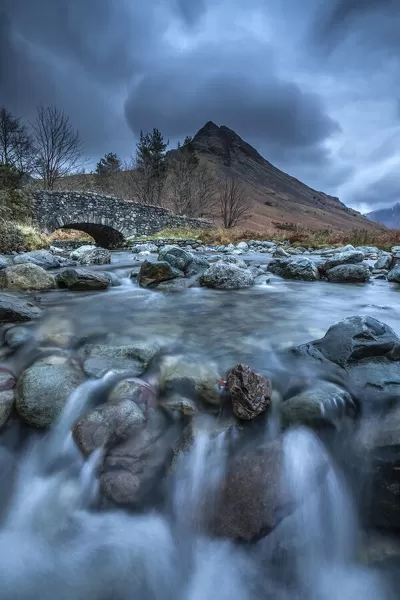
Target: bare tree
<point>234,203</point>
<point>16,146</point>
<point>58,147</point>
<point>192,185</point>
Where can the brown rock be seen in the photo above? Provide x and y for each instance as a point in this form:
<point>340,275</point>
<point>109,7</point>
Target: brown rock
<point>250,392</point>
<point>251,500</point>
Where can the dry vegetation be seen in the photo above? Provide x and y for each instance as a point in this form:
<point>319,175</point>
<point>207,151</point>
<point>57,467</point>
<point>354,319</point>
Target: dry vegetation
<point>70,235</point>
<point>299,236</point>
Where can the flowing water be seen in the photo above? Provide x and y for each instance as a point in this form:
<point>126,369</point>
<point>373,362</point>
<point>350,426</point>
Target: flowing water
<point>54,545</point>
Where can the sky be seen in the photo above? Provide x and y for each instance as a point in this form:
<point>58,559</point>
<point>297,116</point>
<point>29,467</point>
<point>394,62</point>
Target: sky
<point>314,85</point>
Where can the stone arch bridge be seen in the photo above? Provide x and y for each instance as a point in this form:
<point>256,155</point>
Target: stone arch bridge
<point>107,219</point>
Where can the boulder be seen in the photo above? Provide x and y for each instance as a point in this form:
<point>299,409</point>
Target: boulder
<point>367,350</point>
<point>152,273</point>
<point>226,276</point>
<point>4,262</point>
<point>136,462</point>
<point>294,268</point>
<point>322,403</point>
<point>250,500</point>
<point>81,280</point>
<point>177,257</point>
<point>191,379</point>
<point>349,274</point>
<point>132,358</point>
<point>26,277</point>
<point>280,253</point>
<point>233,260</point>
<point>96,256</point>
<point>95,429</point>
<point>250,392</point>
<point>342,258</point>
<point>144,248</point>
<point>384,262</point>
<point>242,246</point>
<point>42,392</point>
<point>41,258</point>
<point>394,274</point>
<point>16,310</point>
<point>79,252</point>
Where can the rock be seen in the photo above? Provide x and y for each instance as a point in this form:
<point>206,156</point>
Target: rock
<point>233,260</point>
<point>229,248</point>
<point>349,274</point>
<point>79,252</point>
<point>294,268</point>
<point>133,358</point>
<point>198,266</point>
<point>342,258</point>
<point>226,276</point>
<point>368,251</point>
<point>16,336</point>
<point>81,280</point>
<point>394,274</point>
<point>6,406</point>
<point>4,262</point>
<point>395,250</point>
<point>242,246</point>
<point>145,248</point>
<point>42,392</point>
<point>96,256</point>
<point>251,500</point>
<point>184,406</point>
<point>26,277</point>
<point>177,257</point>
<point>41,258</point>
<point>95,429</point>
<point>250,392</point>
<point>152,273</point>
<point>280,253</point>
<point>366,349</point>
<point>135,465</point>
<point>384,262</point>
<point>191,379</point>
<point>322,403</point>
<point>16,310</point>
<point>113,279</point>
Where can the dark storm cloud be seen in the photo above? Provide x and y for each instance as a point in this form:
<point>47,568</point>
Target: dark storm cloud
<point>232,86</point>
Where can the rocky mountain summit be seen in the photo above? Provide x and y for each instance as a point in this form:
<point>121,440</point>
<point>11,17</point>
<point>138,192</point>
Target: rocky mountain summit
<point>277,196</point>
<point>390,217</point>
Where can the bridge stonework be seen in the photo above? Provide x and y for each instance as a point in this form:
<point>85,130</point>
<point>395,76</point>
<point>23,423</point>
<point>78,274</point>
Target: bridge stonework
<point>107,219</point>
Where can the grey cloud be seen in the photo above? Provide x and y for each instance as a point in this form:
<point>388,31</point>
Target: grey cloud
<point>384,192</point>
<point>234,87</point>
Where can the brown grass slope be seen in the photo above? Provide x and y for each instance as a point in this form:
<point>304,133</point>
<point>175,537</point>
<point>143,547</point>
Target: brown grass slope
<point>276,196</point>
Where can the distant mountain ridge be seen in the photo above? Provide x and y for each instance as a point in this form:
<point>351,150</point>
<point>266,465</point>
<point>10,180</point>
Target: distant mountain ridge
<point>277,196</point>
<point>390,217</point>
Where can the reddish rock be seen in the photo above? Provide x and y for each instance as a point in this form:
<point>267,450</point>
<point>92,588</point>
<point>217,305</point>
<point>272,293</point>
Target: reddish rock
<point>250,392</point>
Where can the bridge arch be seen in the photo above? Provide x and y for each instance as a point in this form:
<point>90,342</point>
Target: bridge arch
<point>107,219</point>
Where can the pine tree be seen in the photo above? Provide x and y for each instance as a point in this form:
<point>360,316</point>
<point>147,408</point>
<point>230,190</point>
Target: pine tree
<point>110,163</point>
<point>151,167</point>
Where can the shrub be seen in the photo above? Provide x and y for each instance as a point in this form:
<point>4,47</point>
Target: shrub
<point>15,237</point>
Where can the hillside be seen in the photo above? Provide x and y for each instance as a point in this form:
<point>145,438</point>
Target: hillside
<point>386,216</point>
<point>277,197</point>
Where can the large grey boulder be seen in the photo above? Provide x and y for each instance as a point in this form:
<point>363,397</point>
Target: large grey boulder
<point>96,256</point>
<point>226,276</point>
<point>177,257</point>
<point>26,277</point>
<point>16,310</point>
<point>394,274</point>
<point>384,262</point>
<point>152,273</point>
<point>81,280</point>
<point>5,261</point>
<point>349,274</point>
<point>294,268</point>
<point>95,429</point>
<point>43,391</point>
<point>130,358</point>
<point>367,350</point>
<point>79,252</point>
<point>148,247</point>
<point>41,258</point>
<point>342,258</point>
<point>6,406</point>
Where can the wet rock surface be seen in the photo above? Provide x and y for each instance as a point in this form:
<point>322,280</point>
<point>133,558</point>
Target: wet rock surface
<point>82,280</point>
<point>151,274</point>
<point>288,268</point>
<point>14,310</point>
<point>349,274</point>
<point>26,277</point>
<point>250,392</point>
<point>224,275</point>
